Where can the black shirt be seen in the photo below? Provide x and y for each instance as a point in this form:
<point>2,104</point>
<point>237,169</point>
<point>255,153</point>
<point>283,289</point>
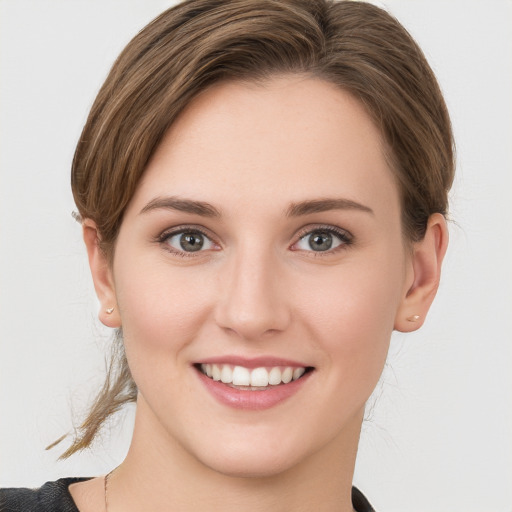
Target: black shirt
<point>55,497</point>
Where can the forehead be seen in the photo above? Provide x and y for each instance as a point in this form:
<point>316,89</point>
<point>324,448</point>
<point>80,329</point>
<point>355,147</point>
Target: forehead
<point>288,139</point>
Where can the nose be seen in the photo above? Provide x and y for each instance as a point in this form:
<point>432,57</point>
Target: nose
<point>252,300</point>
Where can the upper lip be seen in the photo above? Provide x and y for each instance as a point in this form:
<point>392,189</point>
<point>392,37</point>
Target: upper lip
<point>252,362</point>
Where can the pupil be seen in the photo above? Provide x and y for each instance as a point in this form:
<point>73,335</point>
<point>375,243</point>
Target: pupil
<point>191,242</point>
<point>320,241</point>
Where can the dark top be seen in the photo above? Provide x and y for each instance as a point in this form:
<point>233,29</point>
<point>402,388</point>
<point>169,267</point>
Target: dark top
<point>55,497</point>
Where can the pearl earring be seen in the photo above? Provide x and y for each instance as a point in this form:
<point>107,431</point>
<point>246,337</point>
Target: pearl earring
<point>109,311</point>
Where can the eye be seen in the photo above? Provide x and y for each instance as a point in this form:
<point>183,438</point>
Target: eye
<point>322,240</point>
<point>188,241</point>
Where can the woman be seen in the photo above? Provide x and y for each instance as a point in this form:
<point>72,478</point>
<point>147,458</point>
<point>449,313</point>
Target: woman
<point>262,187</point>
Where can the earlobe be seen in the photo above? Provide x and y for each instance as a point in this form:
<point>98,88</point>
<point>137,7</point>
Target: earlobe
<point>421,287</point>
<point>102,276</point>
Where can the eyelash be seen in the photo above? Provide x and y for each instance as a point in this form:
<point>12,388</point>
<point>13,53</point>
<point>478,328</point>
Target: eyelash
<point>180,230</point>
<point>344,236</point>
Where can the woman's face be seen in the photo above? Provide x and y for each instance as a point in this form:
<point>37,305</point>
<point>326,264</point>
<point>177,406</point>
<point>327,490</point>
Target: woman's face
<point>263,240</point>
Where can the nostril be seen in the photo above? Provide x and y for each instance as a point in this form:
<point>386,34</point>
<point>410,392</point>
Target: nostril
<point>252,307</point>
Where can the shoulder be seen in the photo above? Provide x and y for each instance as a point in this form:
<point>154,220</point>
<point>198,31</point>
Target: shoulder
<point>359,501</point>
<point>50,497</point>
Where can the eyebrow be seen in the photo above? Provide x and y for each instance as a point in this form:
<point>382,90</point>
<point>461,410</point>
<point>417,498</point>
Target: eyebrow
<point>298,209</point>
<point>323,205</point>
<point>183,205</point>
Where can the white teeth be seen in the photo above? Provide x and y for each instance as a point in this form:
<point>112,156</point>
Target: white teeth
<point>215,372</point>
<point>207,369</point>
<point>258,377</point>
<point>274,376</point>
<point>287,375</point>
<point>298,372</point>
<point>241,376</point>
<point>226,375</point>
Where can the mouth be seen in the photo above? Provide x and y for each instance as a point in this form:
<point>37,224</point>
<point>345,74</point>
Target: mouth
<point>261,378</point>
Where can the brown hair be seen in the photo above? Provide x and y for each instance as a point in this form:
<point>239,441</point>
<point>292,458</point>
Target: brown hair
<point>355,45</point>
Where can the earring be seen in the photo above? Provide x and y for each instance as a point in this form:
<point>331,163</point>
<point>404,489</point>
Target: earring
<point>109,311</point>
<point>413,318</point>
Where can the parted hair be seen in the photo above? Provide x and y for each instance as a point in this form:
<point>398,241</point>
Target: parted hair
<point>197,43</point>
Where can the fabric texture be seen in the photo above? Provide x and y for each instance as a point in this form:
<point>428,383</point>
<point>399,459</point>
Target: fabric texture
<point>55,497</point>
<point>51,497</point>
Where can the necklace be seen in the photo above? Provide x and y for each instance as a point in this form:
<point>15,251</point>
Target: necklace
<point>105,485</point>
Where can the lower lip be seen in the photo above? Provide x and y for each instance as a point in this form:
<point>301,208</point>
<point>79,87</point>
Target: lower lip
<point>252,400</point>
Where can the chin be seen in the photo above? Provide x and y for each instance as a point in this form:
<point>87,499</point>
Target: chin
<point>257,457</point>
<point>239,466</point>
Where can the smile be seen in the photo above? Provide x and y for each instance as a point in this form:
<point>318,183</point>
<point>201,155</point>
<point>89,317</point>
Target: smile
<point>255,379</point>
<point>255,384</point>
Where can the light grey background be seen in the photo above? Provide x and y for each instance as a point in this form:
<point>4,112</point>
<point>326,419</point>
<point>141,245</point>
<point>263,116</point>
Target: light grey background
<point>440,436</point>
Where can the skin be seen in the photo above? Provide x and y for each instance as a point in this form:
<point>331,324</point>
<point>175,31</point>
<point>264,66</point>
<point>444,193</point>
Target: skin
<point>252,151</point>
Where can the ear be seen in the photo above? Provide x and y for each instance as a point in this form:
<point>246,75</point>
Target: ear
<point>102,276</point>
<point>423,275</point>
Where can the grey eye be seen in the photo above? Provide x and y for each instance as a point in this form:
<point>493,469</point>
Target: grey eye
<point>319,241</point>
<point>190,241</point>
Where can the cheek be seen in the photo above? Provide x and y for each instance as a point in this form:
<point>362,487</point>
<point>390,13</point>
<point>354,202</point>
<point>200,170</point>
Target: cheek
<point>161,309</point>
<point>351,319</point>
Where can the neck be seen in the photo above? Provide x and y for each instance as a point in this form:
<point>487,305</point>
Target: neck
<point>159,474</point>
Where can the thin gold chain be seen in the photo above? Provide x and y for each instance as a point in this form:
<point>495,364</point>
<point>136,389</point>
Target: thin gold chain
<point>105,485</point>
<point>105,481</point>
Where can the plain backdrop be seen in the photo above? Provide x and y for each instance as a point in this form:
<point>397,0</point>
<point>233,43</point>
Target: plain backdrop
<point>439,437</point>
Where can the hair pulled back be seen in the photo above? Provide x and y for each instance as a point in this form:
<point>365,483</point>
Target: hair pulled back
<point>355,45</point>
